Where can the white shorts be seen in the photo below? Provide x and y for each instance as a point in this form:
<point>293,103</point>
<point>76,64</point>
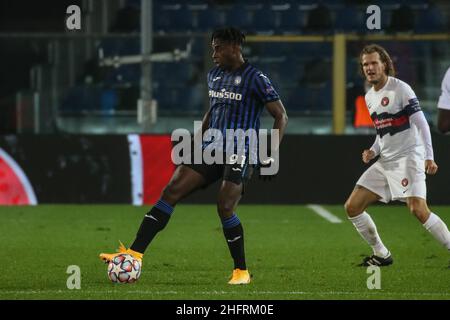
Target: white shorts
<point>396,179</point>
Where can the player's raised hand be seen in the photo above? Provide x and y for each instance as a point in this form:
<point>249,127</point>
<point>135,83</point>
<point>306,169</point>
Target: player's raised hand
<point>431,167</point>
<point>368,155</point>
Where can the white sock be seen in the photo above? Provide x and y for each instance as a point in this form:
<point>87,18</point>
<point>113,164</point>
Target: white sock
<point>367,229</point>
<point>438,229</point>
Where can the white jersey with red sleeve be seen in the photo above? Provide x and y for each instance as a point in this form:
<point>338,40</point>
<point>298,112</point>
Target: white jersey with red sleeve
<point>391,108</point>
<point>444,99</point>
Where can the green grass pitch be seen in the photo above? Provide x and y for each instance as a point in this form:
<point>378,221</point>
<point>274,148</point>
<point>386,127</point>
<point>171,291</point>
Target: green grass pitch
<point>292,253</point>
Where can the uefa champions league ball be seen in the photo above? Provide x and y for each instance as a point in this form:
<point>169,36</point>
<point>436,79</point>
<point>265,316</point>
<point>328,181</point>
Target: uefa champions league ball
<point>124,269</point>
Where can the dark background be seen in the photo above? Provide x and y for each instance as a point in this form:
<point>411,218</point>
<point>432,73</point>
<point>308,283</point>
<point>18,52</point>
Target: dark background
<point>73,169</point>
<point>96,169</point>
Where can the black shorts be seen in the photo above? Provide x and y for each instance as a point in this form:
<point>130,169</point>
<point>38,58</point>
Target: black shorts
<point>237,173</point>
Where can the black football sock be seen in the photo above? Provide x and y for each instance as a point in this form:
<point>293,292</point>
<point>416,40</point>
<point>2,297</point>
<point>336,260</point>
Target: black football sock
<point>154,221</point>
<point>234,234</point>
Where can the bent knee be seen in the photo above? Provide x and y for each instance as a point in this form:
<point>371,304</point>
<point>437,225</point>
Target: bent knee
<point>418,208</point>
<point>225,208</point>
<point>352,209</point>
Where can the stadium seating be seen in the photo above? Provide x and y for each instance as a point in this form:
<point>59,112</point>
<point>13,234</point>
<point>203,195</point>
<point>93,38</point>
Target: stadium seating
<point>286,16</point>
<point>301,72</point>
<point>430,19</point>
<point>290,18</point>
<point>350,19</point>
<point>167,13</point>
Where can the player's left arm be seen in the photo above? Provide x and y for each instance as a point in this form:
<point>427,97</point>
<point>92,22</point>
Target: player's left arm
<point>278,112</point>
<point>267,94</point>
<point>417,118</point>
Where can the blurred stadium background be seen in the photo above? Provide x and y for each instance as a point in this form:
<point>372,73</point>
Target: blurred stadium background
<point>66,96</point>
<point>79,126</point>
<point>294,42</point>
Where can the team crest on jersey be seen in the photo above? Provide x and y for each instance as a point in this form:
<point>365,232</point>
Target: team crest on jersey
<point>385,101</point>
<point>237,80</point>
<point>405,182</point>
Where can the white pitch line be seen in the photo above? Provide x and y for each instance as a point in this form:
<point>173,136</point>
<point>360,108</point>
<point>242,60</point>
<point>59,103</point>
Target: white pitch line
<point>327,215</point>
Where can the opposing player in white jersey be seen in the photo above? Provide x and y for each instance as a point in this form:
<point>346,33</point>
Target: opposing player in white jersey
<point>403,144</point>
<point>444,104</point>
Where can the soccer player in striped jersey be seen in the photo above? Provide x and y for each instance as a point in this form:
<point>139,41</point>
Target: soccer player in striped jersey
<point>403,144</point>
<point>238,94</point>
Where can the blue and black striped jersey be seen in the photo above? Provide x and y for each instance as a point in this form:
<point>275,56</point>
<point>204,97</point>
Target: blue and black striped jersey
<point>237,98</point>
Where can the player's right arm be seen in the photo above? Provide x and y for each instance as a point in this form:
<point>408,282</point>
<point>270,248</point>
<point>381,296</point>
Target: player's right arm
<point>371,153</point>
<point>368,155</point>
<point>205,121</point>
<point>205,126</point>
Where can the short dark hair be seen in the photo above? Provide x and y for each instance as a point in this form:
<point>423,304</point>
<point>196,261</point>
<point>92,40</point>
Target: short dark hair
<point>230,34</point>
<point>384,57</point>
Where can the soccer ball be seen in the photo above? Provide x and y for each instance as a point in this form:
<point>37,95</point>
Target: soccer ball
<point>124,269</point>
